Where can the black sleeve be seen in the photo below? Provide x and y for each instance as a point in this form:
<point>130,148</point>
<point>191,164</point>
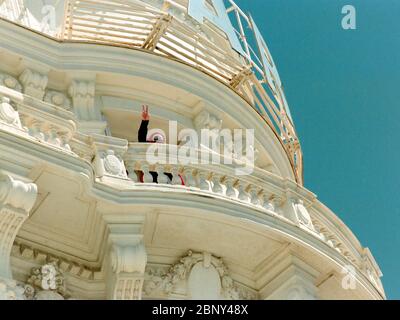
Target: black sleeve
<point>142,134</point>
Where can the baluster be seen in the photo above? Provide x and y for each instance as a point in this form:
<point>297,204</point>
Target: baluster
<point>217,187</point>
<point>266,202</point>
<point>330,242</point>
<point>277,203</point>
<point>243,195</point>
<point>53,137</point>
<point>161,178</point>
<point>230,190</point>
<point>203,183</point>
<point>64,141</point>
<point>147,177</point>
<point>254,195</point>
<point>190,181</point>
<point>318,230</point>
<point>34,130</point>
<point>176,179</point>
<point>132,173</point>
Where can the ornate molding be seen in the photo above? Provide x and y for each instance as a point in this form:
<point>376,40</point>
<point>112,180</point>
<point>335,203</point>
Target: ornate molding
<point>303,216</point>
<point>34,83</point>
<point>58,99</point>
<point>371,269</point>
<point>10,82</point>
<point>16,200</point>
<point>82,94</point>
<point>128,259</point>
<point>27,253</point>
<point>46,283</point>
<point>109,154</point>
<point>157,281</point>
<point>8,114</point>
<point>207,120</point>
<point>10,290</point>
<point>126,274</point>
<point>17,194</point>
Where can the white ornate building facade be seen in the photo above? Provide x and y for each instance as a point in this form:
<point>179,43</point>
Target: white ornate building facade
<point>80,215</point>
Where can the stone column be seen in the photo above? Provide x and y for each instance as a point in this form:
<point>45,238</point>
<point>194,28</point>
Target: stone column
<point>16,200</point>
<point>126,261</point>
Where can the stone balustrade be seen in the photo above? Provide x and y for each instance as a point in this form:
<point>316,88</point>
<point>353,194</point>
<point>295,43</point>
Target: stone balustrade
<point>45,122</point>
<point>51,122</point>
<point>219,180</point>
<point>261,190</point>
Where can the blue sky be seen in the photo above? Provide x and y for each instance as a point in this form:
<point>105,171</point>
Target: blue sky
<point>343,88</point>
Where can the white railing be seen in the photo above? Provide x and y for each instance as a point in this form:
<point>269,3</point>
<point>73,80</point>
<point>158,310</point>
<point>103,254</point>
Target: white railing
<point>38,120</point>
<point>262,191</point>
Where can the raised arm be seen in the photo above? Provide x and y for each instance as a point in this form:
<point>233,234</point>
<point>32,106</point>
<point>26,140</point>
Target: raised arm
<point>142,134</point>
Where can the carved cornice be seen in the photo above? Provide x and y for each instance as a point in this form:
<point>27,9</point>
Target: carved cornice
<point>79,270</point>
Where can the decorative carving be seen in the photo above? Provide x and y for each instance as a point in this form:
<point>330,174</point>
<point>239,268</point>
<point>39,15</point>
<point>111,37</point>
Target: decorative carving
<point>207,120</point>
<point>10,82</point>
<point>10,290</point>
<point>161,282</point>
<point>126,274</point>
<point>34,83</point>
<point>128,258</point>
<point>128,289</point>
<point>303,216</point>
<point>8,114</point>
<point>110,164</point>
<point>277,203</point>
<point>46,283</point>
<point>45,130</point>
<point>108,156</point>
<point>16,200</point>
<point>370,268</point>
<point>17,194</point>
<point>59,99</point>
<point>39,257</point>
<point>82,94</point>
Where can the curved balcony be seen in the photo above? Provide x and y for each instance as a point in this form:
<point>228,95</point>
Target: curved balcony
<point>129,168</point>
<point>61,126</point>
<point>165,29</point>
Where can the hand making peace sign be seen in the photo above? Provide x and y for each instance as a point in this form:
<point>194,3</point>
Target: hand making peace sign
<point>145,113</point>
